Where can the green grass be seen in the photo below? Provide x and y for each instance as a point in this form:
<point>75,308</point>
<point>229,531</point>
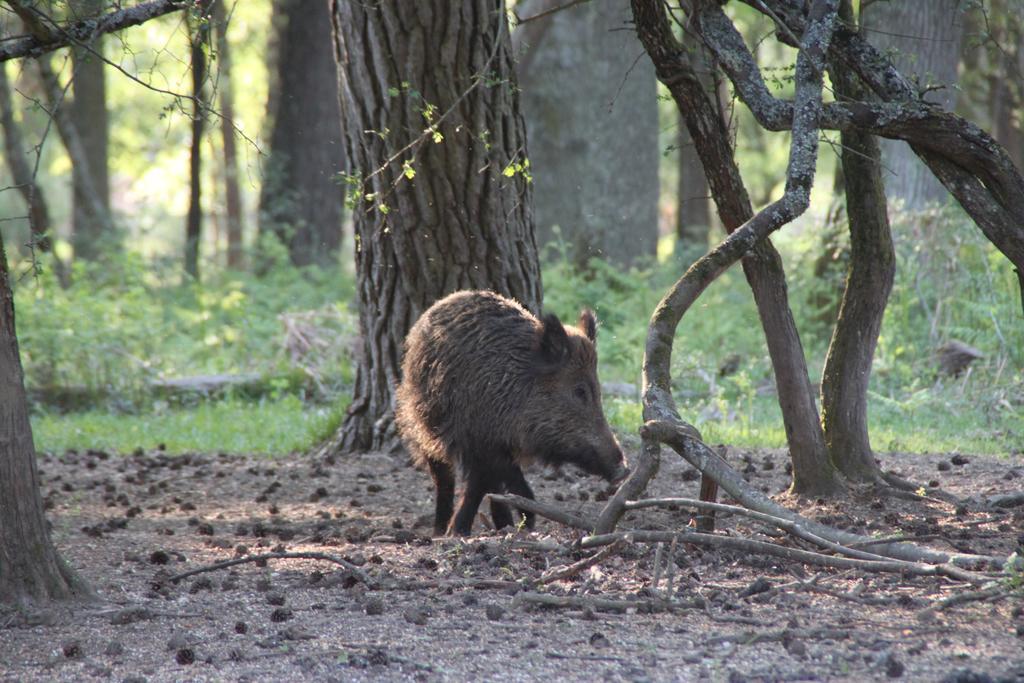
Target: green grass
<point>273,427</point>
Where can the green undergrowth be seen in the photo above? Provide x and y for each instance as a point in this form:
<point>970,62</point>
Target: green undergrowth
<point>272,427</point>
<point>129,323</point>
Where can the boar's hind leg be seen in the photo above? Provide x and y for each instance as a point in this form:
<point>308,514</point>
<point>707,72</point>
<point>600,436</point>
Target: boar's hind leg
<point>501,515</point>
<point>481,478</point>
<point>444,481</point>
<point>516,484</point>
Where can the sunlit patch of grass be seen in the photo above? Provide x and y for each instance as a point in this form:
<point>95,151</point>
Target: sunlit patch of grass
<point>272,427</point>
<point>927,426</point>
<point>940,425</point>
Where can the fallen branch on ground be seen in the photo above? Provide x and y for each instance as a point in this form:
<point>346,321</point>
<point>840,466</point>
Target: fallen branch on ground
<point>1006,500</point>
<point>674,433</point>
<point>596,604</point>
<point>575,568</point>
<point>994,592</point>
<point>805,556</point>
<point>790,526</point>
<point>359,573</point>
<point>543,509</point>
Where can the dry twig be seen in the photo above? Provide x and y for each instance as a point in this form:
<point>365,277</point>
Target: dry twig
<point>543,509</point>
<point>566,571</point>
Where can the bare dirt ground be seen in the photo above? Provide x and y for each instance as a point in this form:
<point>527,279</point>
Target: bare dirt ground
<point>453,610</point>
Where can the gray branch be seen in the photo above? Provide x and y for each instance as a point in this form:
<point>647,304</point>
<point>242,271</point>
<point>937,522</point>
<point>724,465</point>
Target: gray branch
<point>86,29</point>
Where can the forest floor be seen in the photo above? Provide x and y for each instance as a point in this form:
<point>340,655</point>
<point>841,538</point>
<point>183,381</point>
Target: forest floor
<point>454,610</point>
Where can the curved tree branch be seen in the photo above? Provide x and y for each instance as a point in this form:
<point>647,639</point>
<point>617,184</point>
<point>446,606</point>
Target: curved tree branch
<point>657,392</point>
<point>969,162</point>
<point>85,29</point>
<point>763,266</point>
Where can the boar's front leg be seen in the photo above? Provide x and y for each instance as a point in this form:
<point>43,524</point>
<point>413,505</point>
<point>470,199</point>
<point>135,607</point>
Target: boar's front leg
<point>444,482</point>
<point>516,483</point>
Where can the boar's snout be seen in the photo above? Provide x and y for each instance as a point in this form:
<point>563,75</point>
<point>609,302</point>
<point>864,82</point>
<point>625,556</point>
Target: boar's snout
<point>618,470</point>
<point>620,474</point>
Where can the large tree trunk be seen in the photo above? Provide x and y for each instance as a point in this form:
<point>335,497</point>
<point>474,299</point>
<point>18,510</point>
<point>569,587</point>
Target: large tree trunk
<point>301,197</point>
<point>592,117</point>
<point>464,220</point>
<point>200,34</point>
<point>30,568</point>
<point>91,234</point>
<point>232,192</point>
<point>812,472</point>
<point>847,372</point>
<point>923,39</point>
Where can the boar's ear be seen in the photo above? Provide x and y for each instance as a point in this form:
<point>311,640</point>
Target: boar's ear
<point>554,342</point>
<point>588,324</point>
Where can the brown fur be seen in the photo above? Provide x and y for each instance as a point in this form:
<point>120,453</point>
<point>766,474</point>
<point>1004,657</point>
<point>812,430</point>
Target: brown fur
<point>487,388</point>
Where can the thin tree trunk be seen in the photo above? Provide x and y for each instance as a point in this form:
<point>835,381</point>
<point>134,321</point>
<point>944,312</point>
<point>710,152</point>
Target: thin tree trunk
<point>24,178</point>
<point>30,568</point>
<point>301,200</point>
<point>194,222</point>
<point>232,192</point>
<point>90,181</point>
<point>847,372</point>
<point>461,222</point>
<point>693,217</point>
<point>592,116</point>
<point>831,263</point>
<point>89,195</point>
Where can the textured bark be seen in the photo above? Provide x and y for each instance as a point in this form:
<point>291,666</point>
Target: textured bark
<point>301,198</point>
<point>763,267</point>
<point>232,192</point>
<point>200,35</point>
<point>30,568</point>
<point>85,29</point>
<point>24,177</point>
<point>91,234</point>
<point>847,372</point>
<point>923,41</point>
<point>461,222</point>
<point>592,119</point>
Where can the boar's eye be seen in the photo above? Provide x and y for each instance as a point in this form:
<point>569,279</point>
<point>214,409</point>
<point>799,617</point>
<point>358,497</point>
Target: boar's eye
<point>580,392</point>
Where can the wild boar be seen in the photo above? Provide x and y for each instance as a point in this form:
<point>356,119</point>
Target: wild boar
<point>487,388</point>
